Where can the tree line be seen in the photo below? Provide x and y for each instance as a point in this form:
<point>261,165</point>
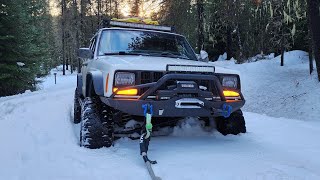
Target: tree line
<point>245,28</point>
<point>32,41</point>
<point>27,48</point>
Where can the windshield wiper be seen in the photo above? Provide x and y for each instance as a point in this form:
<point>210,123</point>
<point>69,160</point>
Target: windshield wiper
<point>127,53</point>
<point>168,54</point>
<point>172,55</point>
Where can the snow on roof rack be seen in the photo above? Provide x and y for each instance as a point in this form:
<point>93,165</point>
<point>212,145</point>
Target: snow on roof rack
<point>110,23</point>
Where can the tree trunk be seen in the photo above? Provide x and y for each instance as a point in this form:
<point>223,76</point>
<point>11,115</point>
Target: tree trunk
<point>135,11</point>
<point>310,54</point>
<point>63,8</point>
<point>200,10</point>
<point>313,9</point>
<point>229,20</point>
<point>67,46</point>
<point>116,9</point>
<point>310,43</point>
<point>99,13</point>
<point>282,48</point>
<point>70,59</point>
<point>67,63</point>
<point>229,43</point>
<point>282,56</point>
<point>82,14</point>
<point>241,58</point>
<point>77,40</point>
<point>282,37</point>
<point>110,8</point>
<point>68,55</point>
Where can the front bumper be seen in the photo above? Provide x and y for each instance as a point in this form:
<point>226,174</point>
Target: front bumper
<point>172,107</point>
<point>167,108</point>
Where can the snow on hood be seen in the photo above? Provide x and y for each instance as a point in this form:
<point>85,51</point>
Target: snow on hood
<point>121,62</point>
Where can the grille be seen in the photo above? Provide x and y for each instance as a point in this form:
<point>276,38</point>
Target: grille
<point>149,77</point>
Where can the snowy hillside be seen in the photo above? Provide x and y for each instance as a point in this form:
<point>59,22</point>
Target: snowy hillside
<point>39,141</point>
<point>287,91</point>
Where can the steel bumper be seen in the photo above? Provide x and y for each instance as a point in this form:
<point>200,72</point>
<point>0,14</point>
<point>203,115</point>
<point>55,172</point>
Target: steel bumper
<point>174,107</point>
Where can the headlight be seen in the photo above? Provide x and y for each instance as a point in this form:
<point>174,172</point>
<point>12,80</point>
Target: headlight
<point>125,79</point>
<point>230,81</point>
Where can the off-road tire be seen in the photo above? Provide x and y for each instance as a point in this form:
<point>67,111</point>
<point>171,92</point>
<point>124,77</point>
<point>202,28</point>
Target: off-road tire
<point>95,129</point>
<point>235,124</point>
<point>76,108</point>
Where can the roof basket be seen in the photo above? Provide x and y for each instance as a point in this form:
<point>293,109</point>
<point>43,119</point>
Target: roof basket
<point>110,23</point>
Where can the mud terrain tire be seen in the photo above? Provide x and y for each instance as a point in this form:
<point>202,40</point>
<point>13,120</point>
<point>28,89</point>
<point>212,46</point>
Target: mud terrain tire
<point>93,133</point>
<point>235,124</point>
<point>76,108</point>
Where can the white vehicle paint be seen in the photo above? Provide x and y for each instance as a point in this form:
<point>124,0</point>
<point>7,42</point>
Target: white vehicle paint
<point>107,65</point>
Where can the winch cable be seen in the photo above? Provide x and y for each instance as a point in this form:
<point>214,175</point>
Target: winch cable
<point>145,140</point>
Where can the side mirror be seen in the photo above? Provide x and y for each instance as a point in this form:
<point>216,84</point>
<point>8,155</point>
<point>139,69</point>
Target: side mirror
<point>85,53</point>
<point>198,56</point>
<point>204,56</point>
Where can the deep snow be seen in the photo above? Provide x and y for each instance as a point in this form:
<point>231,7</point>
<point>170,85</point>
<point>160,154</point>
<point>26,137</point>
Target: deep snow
<point>39,141</point>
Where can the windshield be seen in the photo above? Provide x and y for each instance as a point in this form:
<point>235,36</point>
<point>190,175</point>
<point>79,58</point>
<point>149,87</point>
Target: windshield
<point>132,42</point>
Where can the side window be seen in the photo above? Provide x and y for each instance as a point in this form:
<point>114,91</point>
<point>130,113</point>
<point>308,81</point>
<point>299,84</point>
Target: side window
<point>93,44</point>
<point>90,45</point>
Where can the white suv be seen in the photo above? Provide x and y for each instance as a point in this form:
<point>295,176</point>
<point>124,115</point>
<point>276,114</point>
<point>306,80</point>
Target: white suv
<point>133,69</point>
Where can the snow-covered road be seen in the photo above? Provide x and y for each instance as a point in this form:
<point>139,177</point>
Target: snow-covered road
<point>39,141</point>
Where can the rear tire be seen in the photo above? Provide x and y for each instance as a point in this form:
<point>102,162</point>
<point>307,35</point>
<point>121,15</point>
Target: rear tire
<point>93,133</point>
<point>76,108</point>
<point>235,124</point>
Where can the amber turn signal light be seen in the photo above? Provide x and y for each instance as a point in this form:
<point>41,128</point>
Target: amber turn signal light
<point>127,92</point>
<point>228,93</point>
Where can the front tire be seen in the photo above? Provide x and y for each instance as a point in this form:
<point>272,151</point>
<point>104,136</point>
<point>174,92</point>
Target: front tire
<point>76,108</point>
<point>235,124</point>
<point>93,134</point>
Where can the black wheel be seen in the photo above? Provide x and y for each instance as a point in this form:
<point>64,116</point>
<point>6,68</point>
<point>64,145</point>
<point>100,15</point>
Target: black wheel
<point>95,131</point>
<point>235,124</point>
<point>76,108</point>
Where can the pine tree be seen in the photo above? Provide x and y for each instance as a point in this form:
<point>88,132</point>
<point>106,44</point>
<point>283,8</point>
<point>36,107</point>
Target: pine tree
<point>24,48</point>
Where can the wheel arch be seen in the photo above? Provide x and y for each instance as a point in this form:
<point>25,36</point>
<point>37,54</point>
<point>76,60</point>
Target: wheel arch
<point>94,84</point>
<point>79,84</point>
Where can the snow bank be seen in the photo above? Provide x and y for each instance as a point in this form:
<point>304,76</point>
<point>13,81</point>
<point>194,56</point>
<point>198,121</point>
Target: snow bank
<point>287,91</point>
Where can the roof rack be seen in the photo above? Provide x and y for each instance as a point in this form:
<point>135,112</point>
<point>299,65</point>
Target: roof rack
<point>110,23</point>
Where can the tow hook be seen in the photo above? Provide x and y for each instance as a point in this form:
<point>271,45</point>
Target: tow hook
<point>226,109</point>
<point>145,140</point>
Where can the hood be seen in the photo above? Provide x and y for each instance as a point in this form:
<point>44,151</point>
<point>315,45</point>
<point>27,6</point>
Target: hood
<point>149,63</point>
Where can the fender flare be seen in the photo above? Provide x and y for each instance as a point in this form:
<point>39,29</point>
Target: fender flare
<point>79,84</point>
<point>95,79</point>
